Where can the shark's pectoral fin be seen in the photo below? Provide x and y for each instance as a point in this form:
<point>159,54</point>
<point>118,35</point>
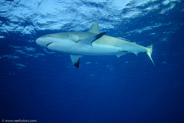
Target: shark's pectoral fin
<point>94,28</point>
<point>90,40</point>
<point>75,60</point>
<point>74,38</point>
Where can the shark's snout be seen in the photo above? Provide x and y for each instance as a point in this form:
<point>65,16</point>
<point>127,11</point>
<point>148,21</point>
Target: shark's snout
<point>43,42</point>
<point>39,41</point>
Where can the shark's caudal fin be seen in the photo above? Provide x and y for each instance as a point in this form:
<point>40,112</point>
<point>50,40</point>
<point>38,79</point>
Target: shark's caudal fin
<point>149,52</point>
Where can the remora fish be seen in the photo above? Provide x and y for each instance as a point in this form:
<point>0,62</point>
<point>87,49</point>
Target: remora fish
<point>92,42</point>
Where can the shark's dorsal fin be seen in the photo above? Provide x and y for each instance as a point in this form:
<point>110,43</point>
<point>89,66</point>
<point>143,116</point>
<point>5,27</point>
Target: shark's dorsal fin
<point>94,28</point>
<point>91,39</point>
<point>75,60</point>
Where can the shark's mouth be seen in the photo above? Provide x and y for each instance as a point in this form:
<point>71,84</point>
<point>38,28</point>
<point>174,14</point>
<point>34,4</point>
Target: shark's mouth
<point>49,44</point>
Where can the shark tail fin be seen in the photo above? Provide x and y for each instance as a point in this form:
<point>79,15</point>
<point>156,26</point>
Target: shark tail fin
<point>149,52</point>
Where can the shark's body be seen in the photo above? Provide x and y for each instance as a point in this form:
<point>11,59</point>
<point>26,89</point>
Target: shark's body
<point>92,42</point>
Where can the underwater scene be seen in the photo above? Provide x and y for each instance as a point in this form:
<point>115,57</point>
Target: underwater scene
<point>92,61</point>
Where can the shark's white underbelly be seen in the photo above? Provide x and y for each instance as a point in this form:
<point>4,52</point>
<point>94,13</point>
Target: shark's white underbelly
<point>80,49</point>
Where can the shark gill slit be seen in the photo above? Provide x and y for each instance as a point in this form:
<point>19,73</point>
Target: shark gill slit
<point>49,44</point>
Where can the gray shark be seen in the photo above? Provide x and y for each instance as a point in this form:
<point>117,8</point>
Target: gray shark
<point>92,42</point>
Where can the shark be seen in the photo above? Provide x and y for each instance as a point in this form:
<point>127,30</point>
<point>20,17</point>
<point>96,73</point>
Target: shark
<point>93,42</point>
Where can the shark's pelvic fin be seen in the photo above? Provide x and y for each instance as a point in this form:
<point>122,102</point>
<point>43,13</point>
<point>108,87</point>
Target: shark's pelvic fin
<point>75,60</point>
<point>90,40</point>
<point>94,28</point>
<point>149,52</point>
<point>121,54</point>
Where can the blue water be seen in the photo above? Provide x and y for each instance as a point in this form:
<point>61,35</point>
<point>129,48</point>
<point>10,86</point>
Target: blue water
<point>45,86</point>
